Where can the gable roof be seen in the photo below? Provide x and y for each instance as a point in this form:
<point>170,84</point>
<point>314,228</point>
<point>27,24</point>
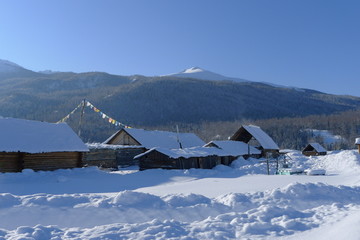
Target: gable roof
<point>187,152</point>
<point>316,146</point>
<point>163,139</point>
<point>234,148</point>
<point>19,135</point>
<point>245,133</point>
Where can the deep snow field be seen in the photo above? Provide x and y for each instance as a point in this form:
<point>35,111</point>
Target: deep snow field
<point>237,202</point>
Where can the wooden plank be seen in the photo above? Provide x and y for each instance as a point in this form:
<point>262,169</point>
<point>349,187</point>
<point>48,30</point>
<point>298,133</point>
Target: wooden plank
<point>9,162</point>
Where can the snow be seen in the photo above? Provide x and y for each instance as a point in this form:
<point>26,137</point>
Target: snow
<point>235,148</point>
<point>316,172</point>
<point>199,73</point>
<point>327,137</point>
<point>227,202</point>
<point>357,141</point>
<point>164,139</point>
<point>265,140</point>
<point>37,137</point>
<point>108,146</point>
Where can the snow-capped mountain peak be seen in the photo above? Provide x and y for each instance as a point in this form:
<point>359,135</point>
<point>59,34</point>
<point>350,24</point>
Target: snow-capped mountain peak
<point>193,70</point>
<point>199,73</point>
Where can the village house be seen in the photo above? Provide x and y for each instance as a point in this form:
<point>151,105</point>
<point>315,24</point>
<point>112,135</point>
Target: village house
<point>182,158</point>
<point>206,157</point>
<point>357,143</point>
<point>256,137</point>
<point>121,148</point>
<point>26,144</point>
<point>236,149</point>
<point>314,149</point>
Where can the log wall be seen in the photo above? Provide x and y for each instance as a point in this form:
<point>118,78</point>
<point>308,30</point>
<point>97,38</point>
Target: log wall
<point>10,162</point>
<point>105,158</point>
<point>112,158</point>
<point>52,161</point>
<point>16,162</point>
<point>125,156</point>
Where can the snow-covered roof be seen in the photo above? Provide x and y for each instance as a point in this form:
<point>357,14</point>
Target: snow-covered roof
<point>357,141</point>
<point>265,140</point>
<point>187,152</point>
<point>163,139</point>
<point>108,146</point>
<point>19,135</point>
<point>235,148</point>
<point>317,147</point>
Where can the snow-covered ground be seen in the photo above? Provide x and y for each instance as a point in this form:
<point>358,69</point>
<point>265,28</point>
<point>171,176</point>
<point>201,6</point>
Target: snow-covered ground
<point>237,202</point>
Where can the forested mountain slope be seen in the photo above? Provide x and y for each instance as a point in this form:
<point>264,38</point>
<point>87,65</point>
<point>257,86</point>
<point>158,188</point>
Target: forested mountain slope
<point>155,101</point>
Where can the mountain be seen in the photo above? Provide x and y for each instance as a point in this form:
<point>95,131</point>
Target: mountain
<point>12,70</point>
<point>153,101</point>
<point>199,73</point>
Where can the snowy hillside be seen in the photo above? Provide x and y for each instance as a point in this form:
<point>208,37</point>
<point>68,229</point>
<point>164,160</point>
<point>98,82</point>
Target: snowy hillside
<point>198,73</point>
<point>327,137</point>
<point>237,202</point>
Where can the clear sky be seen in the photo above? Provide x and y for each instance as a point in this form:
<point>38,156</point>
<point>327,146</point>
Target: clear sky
<point>304,43</point>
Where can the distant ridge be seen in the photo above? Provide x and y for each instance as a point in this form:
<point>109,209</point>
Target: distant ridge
<point>7,66</point>
<point>12,70</point>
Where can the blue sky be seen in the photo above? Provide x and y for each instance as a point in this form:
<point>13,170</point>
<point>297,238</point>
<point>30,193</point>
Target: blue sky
<point>304,43</point>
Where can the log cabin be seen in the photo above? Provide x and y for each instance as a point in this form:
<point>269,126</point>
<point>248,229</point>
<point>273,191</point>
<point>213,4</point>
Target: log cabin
<point>236,149</point>
<point>357,143</point>
<point>127,143</point>
<point>256,137</point>
<point>150,139</point>
<point>314,149</point>
<point>27,144</point>
<point>185,158</point>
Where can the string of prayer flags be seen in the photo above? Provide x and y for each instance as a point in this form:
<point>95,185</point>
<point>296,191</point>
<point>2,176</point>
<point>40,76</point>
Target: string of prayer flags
<point>95,109</point>
<point>72,112</point>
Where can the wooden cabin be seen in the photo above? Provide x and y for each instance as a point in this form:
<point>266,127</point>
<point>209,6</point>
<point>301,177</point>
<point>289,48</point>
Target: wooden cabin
<point>26,144</point>
<point>235,149</point>
<point>121,148</point>
<point>357,143</point>
<point>150,139</point>
<point>186,158</point>
<point>256,137</point>
<point>314,149</point>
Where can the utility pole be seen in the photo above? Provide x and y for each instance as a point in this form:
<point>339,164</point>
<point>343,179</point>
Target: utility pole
<point>177,136</point>
<point>81,116</point>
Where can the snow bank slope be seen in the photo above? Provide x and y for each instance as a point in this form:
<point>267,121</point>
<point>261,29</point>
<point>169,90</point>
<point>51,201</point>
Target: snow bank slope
<point>131,215</point>
<point>77,203</point>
